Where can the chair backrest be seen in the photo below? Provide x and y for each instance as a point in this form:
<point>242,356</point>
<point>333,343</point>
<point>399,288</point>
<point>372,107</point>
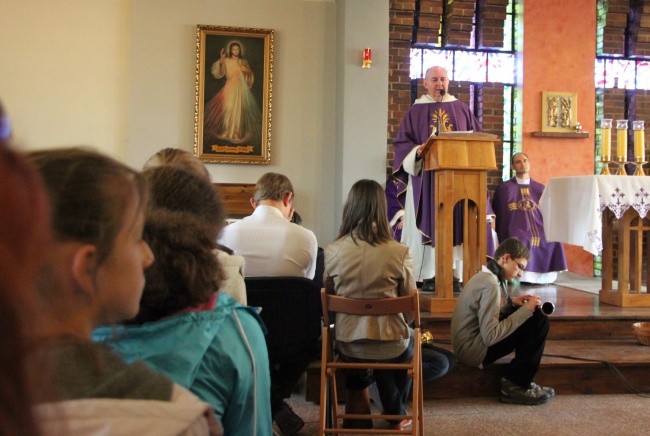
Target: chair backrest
<point>291,311</point>
<point>384,306</point>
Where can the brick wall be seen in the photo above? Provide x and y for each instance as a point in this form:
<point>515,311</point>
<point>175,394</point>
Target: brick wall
<point>611,37</point>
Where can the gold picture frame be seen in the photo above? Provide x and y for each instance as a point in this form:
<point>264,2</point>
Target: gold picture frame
<point>559,111</point>
<point>233,94</point>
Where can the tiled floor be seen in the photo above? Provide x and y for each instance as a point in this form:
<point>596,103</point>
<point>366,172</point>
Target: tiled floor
<point>588,415</point>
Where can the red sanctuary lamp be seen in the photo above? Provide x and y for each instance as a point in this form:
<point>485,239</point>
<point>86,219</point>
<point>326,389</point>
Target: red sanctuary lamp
<point>367,58</point>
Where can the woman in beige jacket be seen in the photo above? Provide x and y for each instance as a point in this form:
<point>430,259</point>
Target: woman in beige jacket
<point>366,263</point>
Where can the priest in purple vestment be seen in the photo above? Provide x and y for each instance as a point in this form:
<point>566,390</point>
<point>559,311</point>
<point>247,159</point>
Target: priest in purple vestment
<point>516,204</point>
<point>413,187</point>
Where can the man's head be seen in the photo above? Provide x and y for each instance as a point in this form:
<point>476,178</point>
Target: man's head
<point>513,257</point>
<point>273,189</point>
<point>521,165</point>
<point>436,80</point>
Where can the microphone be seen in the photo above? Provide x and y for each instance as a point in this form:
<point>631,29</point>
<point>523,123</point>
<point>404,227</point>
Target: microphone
<point>442,93</point>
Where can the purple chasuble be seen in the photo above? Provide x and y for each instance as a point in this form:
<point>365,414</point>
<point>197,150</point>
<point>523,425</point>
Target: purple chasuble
<point>415,129</point>
<point>393,205</point>
<point>517,210</point>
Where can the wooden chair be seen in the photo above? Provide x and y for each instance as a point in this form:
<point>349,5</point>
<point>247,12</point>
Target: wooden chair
<point>330,364</point>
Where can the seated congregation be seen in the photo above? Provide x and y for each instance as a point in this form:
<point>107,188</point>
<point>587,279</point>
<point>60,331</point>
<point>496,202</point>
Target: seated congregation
<point>126,309</point>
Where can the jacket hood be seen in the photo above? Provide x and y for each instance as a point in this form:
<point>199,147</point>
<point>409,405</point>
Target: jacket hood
<point>164,344</point>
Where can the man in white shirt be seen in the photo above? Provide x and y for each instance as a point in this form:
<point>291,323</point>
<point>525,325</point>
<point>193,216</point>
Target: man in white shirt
<point>274,246</point>
<point>268,241</point>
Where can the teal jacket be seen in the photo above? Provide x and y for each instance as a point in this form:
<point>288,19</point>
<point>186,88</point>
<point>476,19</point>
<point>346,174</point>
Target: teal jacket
<point>220,355</point>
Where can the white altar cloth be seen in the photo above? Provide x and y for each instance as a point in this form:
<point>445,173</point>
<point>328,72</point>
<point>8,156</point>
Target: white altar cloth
<point>572,206</point>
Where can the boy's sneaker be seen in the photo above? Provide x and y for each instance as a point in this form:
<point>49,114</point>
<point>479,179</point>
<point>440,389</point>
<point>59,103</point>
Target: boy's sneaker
<point>514,394</point>
<point>550,391</point>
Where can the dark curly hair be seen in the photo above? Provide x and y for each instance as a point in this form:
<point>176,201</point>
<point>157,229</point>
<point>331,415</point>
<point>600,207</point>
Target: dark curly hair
<point>186,272</point>
<point>184,219</point>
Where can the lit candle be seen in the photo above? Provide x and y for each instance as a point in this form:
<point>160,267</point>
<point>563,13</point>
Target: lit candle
<point>606,145</point>
<point>621,139</point>
<point>639,140</point>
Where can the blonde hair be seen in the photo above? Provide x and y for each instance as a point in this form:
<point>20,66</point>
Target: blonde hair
<point>180,158</point>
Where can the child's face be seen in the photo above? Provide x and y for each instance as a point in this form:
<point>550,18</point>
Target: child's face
<point>513,268</point>
<point>120,278</point>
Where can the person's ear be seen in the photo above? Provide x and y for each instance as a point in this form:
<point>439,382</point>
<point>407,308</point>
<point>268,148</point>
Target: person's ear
<point>287,199</point>
<point>84,267</point>
<point>253,203</point>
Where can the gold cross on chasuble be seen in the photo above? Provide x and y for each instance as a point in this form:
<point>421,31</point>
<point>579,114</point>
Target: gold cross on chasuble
<point>528,206</point>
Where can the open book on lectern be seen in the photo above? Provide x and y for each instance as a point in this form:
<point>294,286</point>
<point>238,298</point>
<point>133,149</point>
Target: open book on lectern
<point>461,134</point>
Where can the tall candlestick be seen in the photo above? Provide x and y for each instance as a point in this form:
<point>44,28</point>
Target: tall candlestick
<point>621,139</point>
<point>606,144</point>
<point>639,140</point>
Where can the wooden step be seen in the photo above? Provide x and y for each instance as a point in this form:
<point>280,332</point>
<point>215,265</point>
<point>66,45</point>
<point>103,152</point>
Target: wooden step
<point>566,376</point>
<point>562,327</point>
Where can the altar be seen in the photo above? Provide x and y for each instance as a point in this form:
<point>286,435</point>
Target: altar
<point>587,211</point>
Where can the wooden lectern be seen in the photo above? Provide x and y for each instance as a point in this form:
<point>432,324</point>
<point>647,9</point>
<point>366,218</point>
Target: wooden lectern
<point>460,162</point>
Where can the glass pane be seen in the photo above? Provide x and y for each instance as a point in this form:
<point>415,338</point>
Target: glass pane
<point>470,66</point>
<point>507,33</point>
<point>416,63</point>
<point>507,112</point>
<point>619,73</point>
<point>442,58</point>
<point>501,67</point>
<point>600,73</point>
<point>643,75</point>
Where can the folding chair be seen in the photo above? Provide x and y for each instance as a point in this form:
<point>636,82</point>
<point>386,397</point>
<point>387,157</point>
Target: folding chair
<point>330,364</point>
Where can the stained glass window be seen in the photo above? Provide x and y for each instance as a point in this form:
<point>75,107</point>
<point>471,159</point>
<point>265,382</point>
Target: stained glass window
<point>643,75</point>
<point>501,67</point>
<point>443,58</point>
<point>470,66</point>
<point>416,64</point>
<point>615,73</point>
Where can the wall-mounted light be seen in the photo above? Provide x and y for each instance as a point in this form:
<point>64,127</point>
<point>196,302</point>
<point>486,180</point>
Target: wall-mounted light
<point>367,58</point>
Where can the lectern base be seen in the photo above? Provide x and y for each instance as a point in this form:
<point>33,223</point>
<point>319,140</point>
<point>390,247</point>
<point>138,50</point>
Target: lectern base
<point>616,298</point>
<point>445,305</point>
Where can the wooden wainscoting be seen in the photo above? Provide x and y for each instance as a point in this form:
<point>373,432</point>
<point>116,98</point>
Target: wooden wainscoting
<point>236,197</point>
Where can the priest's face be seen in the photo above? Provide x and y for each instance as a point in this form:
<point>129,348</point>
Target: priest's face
<point>521,165</point>
<point>436,80</point>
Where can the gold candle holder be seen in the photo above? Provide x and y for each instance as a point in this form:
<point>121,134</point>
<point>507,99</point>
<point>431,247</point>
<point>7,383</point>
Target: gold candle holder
<point>605,160</point>
<point>606,145</point>
<point>639,166</point>
<point>621,166</point>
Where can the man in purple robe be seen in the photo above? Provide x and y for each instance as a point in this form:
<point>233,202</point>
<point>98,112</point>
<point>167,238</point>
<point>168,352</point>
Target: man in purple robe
<point>413,187</point>
<point>516,206</point>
